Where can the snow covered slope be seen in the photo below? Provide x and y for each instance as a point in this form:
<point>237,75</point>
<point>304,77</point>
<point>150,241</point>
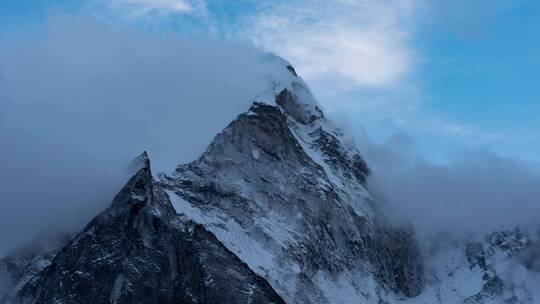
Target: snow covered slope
<point>284,190</point>
<point>497,268</point>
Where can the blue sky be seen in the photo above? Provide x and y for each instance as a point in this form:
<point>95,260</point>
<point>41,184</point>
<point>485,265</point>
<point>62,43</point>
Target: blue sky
<point>453,75</point>
<point>487,75</point>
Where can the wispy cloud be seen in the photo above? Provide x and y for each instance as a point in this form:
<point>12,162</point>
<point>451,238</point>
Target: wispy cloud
<point>469,134</point>
<point>359,43</point>
<point>145,8</point>
<point>362,43</point>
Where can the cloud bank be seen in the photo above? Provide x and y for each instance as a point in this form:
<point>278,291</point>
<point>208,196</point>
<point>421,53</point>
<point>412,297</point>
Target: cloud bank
<point>476,192</point>
<point>79,100</point>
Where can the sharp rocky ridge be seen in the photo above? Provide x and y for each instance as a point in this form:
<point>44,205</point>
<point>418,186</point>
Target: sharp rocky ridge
<point>276,210</point>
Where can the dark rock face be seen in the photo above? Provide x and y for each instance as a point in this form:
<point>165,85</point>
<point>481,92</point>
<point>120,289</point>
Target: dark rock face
<point>337,157</point>
<point>302,113</point>
<point>398,262</point>
<point>270,162</point>
<point>140,251</point>
<point>292,70</point>
<point>530,256</point>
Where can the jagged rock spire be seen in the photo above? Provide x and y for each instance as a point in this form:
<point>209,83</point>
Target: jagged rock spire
<point>140,162</point>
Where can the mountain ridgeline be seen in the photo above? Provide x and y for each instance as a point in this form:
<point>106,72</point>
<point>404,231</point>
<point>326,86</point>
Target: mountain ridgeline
<point>276,210</point>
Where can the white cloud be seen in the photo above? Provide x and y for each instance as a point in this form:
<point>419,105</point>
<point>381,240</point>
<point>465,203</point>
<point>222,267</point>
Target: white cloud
<point>470,134</point>
<point>140,8</point>
<point>360,43</point>
<point>363,43</point>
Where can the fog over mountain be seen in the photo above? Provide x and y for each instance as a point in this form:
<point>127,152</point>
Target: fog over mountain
<point>264,197</point>
<point>475,191</point>
<point>80,98</point>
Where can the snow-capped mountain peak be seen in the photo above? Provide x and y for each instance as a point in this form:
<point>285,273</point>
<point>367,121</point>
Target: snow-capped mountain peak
<point>276,210</point>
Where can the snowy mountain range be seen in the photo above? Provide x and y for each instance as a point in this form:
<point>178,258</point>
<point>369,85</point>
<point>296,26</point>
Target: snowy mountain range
<point>276,210</point>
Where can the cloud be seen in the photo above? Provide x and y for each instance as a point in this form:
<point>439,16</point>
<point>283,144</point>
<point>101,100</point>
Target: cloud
<point>360,43</point>
<point>139,8</point>
<point>79,99</point>
<point>404,109</point>
<point>477,191</point>
<point>151,15</point>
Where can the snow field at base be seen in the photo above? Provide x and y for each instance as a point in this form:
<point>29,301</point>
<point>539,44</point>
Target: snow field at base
<point>450,279</point>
